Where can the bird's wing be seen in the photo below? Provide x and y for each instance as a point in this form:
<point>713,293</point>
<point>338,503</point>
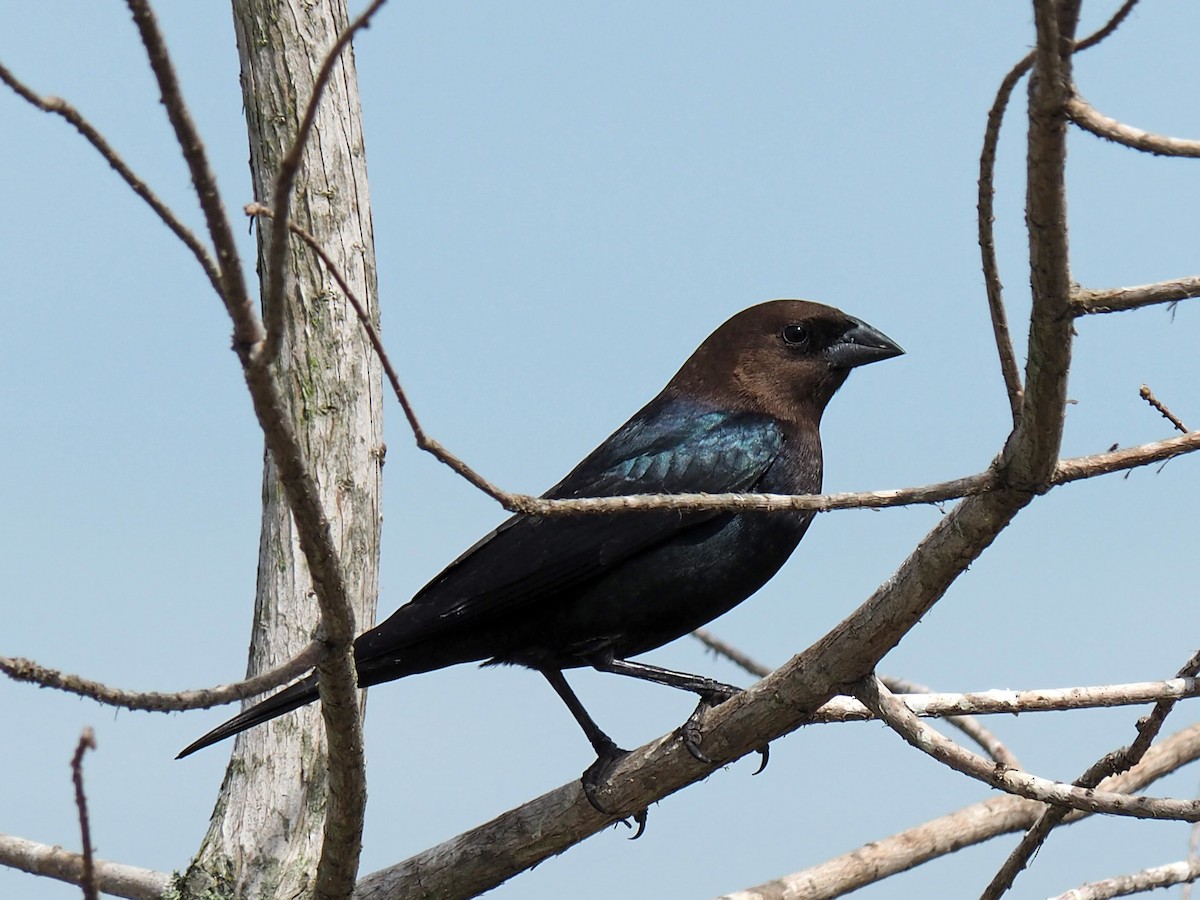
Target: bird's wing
<point>669,447</point>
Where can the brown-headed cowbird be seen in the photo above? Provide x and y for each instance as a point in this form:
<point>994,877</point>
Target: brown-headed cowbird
<point>555,593</point>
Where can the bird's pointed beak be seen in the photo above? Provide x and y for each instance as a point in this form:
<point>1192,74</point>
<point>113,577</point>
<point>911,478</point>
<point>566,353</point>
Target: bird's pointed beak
<point>862,344</point>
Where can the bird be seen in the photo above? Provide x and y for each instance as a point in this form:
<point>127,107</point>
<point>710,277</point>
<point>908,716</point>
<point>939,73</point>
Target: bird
<point>553,593</point>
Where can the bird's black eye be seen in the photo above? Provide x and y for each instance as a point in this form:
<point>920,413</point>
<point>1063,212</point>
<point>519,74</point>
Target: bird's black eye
<point>796,335</point>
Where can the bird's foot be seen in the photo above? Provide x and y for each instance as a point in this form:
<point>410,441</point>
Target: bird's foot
<point>691,733</point>
<point>596,776</point>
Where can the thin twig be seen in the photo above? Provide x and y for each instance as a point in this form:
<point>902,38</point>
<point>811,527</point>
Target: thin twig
<point>1086,302</point>
<point>423,440</point>
<point>987,238</point>
<point>61,107</point>
<point>87,741</point>
<point>158,701</point>
<point>1067,470</point>
<point>888,707</point>
<point>1090,119</point>
<point>247,331</point>
<point>1108,28</point>
<point>986,209</point>
<point>285,179</point>
<point>1120,760</point>
<point>1148,395</point>
<point>731,653</point>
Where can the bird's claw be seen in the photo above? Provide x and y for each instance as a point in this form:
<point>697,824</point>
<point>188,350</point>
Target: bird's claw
<point>596,776</point>
<point>640,818</point>
<point>691,732</point>
<point>764,753</point>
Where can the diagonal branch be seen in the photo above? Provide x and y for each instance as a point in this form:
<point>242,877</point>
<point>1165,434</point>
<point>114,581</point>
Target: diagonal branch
<point>232,290</point>
<point>62,108</point>
<point>423,440</point>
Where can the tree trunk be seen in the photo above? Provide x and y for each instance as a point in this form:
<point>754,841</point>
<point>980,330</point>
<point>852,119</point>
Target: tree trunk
<point>265,834</point>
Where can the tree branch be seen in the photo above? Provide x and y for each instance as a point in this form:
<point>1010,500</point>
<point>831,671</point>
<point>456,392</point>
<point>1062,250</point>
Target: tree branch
<point>157,701</point>
<point>1119,760</point>
<point>87,741</point>
<point>232,290</point>
<point>61,107</point>
<point>947,834</point>
<point>55,862</point>
<point>424,442</point>
<point>1087,302</point>
<point>987,238</point>
<point>986,209</point>
<point>1089,119</point>
<point>1183,872</point>
<point>888,707</point>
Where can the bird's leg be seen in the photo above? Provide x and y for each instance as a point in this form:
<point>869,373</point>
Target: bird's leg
<point>608,754</point>
<point>712,693</point>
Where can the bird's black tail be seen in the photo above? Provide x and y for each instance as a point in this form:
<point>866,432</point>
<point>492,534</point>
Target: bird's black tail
<point>299,694</point>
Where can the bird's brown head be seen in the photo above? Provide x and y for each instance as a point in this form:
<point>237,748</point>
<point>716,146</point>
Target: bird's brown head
<point>786,358</point>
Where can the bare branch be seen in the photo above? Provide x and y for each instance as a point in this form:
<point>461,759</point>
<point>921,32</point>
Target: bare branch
<point>158,701</point>
<point>885,705</point>
<point>285,179</point>
<point>423,440</point>
<point>1148,395</point>
<point>966,827</point>
<point>1088,302</point>
<point>1148,728</point>
<point>987,215</point>
<point>842,708</point>
<point>1141,882</point>
<point>733,654</point>
<point>987,237</point>
<point>1088,118</point>
<point>968,725</point>
<point>87,741</point>
<point>1082,467</point>
<point>941,704</point>
<point>232,290</point>
<point>62,108</point>
<point>1108,28</point>
<point>55,862</point>
<point>1031,453</point>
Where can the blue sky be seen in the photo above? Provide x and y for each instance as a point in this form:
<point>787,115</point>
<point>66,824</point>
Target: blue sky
<point>566,202</point>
